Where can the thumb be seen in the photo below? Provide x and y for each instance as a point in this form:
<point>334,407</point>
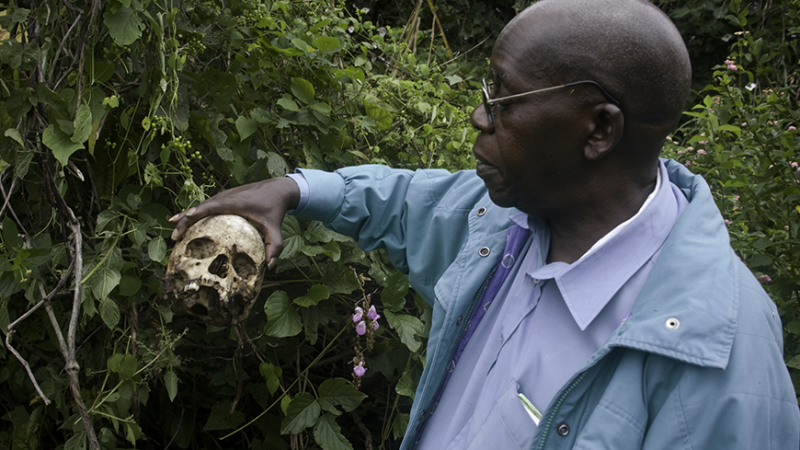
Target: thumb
<point>274,245</point>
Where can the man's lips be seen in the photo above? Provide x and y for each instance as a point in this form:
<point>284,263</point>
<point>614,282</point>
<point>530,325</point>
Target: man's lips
<point>483,169</point>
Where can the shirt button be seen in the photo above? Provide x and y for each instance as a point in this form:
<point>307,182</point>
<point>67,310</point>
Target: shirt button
<point>458,322</point>
<point>484,251</point>
<point>563,429</point>
<point>481,211</point>
<point>536,281</point>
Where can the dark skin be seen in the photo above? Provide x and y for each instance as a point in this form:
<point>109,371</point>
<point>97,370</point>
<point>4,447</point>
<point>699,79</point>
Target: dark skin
<point>569,155</point>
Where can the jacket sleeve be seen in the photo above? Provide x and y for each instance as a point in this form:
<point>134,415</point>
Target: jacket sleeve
<point>418,217</point>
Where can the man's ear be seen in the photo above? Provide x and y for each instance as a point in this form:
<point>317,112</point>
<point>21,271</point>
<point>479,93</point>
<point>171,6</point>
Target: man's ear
<point>608,124</point>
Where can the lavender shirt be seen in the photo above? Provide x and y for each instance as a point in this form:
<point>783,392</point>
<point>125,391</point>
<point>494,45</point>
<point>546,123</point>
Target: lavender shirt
<point>543,325</point>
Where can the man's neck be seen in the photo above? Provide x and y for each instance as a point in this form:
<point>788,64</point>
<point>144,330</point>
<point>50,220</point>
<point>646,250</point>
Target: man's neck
<point>571,236</point>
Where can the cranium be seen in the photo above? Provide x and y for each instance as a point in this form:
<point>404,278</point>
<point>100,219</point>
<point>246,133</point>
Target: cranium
<point>215,271</point>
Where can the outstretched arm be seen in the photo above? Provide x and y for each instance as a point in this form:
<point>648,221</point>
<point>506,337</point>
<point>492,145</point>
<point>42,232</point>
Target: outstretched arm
<point>264,203</point>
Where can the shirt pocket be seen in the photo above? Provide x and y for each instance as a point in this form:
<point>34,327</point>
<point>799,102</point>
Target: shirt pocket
<point>507,426</point>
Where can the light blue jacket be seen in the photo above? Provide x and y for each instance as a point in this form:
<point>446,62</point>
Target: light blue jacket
<point>698,364</point>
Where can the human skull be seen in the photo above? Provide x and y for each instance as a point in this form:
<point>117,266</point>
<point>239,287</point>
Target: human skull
<point>215,271</point>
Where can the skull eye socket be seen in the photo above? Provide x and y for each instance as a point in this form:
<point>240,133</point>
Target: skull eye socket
<point>201,248</point>
<point>244,265</point>
<point>219,266</point>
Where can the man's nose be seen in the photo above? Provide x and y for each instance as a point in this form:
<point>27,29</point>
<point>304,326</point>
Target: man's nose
<point>480,120</point>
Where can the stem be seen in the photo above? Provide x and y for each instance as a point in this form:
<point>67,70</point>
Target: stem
<point>321,354</point>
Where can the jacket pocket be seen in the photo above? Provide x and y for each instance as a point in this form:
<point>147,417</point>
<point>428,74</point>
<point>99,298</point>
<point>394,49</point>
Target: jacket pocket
<point>508,425</point>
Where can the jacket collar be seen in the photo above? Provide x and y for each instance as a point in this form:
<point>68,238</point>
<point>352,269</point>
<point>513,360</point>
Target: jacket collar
<point>688,308</point>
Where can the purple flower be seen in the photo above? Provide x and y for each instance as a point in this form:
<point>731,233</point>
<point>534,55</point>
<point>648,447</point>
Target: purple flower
<point>764,279</point>
<point>360,370</point>
<point>791,128</point>
<point>359,313</point>
<point>372,314</point>
<point>361,328</point>
<point>375,325</point>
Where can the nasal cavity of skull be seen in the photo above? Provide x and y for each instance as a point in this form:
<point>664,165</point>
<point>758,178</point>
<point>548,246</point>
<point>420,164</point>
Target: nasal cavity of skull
<point>244,265</point>
<point>200,248</point>
<point>206,298</point>
<point>219,266</point>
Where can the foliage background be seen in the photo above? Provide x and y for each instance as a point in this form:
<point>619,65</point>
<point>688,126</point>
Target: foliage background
<point>117,114</point>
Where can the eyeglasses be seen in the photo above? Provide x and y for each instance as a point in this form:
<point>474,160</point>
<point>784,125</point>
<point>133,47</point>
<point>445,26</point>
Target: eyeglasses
<point>488,102</point>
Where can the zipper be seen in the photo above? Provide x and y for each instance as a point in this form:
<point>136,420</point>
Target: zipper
<point>464,326</point>
<point>556,407</point>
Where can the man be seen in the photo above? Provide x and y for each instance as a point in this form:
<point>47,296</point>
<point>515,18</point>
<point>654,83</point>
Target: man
<point>576,274</point>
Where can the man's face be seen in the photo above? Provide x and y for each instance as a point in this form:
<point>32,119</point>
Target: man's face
<point>531,158</point>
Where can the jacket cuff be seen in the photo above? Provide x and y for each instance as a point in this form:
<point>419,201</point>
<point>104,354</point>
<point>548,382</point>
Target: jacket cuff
<point>325,195</point>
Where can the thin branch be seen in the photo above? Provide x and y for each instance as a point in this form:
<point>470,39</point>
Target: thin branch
<point>61,47</point>
<point>27,368</point>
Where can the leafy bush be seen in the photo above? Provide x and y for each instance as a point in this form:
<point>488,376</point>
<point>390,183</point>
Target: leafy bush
<point>115,116</point>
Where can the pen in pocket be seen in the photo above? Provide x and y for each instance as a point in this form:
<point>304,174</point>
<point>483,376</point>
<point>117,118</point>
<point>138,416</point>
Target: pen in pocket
<point>530,409</point>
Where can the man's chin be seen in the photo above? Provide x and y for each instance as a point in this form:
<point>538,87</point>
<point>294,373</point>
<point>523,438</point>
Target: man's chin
<point>502,198</point>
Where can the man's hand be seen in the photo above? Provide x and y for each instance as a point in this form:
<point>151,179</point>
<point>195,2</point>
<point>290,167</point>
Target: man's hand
<point>263,203</point>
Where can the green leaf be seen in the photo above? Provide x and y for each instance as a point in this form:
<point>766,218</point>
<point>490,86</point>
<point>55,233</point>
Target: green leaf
<point>794,363</point>
<point>4,318</point>
<point>317,232</point>
<point>60,143</point>
<point>221,417</point>
<point>759,260</point>
<point>82,124</point>
<point>322,108</point>
<point>381,116</point>
<point>246,127</point>
<point>453,79</point>
<point>133,432</point>
<point>339,392</point>
<point>124,26</point>
<point>316,294</point>
<point>303,90</point>
<point>400,424</point>
<point>104,280</point>
<point>407,327</point>
<point>157,249</point>
<point>272,374</point>
<point>109,312</point>
<point>123,364</point>
<point>393,295</point>
<point>328,434</point>
<point>171,382</point>
<point>302,413</point>
<point>276,165</point>
<point>76,442</point>
<point>288,104</point>
<point>283,320</point>
<point>405,386</point>
<point>13,133</point>
<point>292,237</point>
<point>327,43</point>
<point>129,285</point>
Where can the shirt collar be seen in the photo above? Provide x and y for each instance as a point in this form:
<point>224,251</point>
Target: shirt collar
<point>589,283</point>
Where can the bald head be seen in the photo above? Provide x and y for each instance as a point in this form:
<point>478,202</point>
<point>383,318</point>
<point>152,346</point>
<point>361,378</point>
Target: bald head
<point>630,47</point>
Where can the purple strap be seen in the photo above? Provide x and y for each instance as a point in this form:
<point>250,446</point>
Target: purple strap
<point>517,236</point>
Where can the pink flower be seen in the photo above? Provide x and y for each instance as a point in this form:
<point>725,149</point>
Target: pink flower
<point>793,164</point>
<point>360,370</point>
<point>680,152</point>
<point>764,279</point>
<point>702,142</point>
<point>372,314</point>
<point>359,313</point>
<point>361,328</point>
<point>786,227</point>
<point>728,222</point>
<point>375,325</point>
<point>701,152</point>
<point>744,124</point>
<point>791,128</point>
<point>689,149</point>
